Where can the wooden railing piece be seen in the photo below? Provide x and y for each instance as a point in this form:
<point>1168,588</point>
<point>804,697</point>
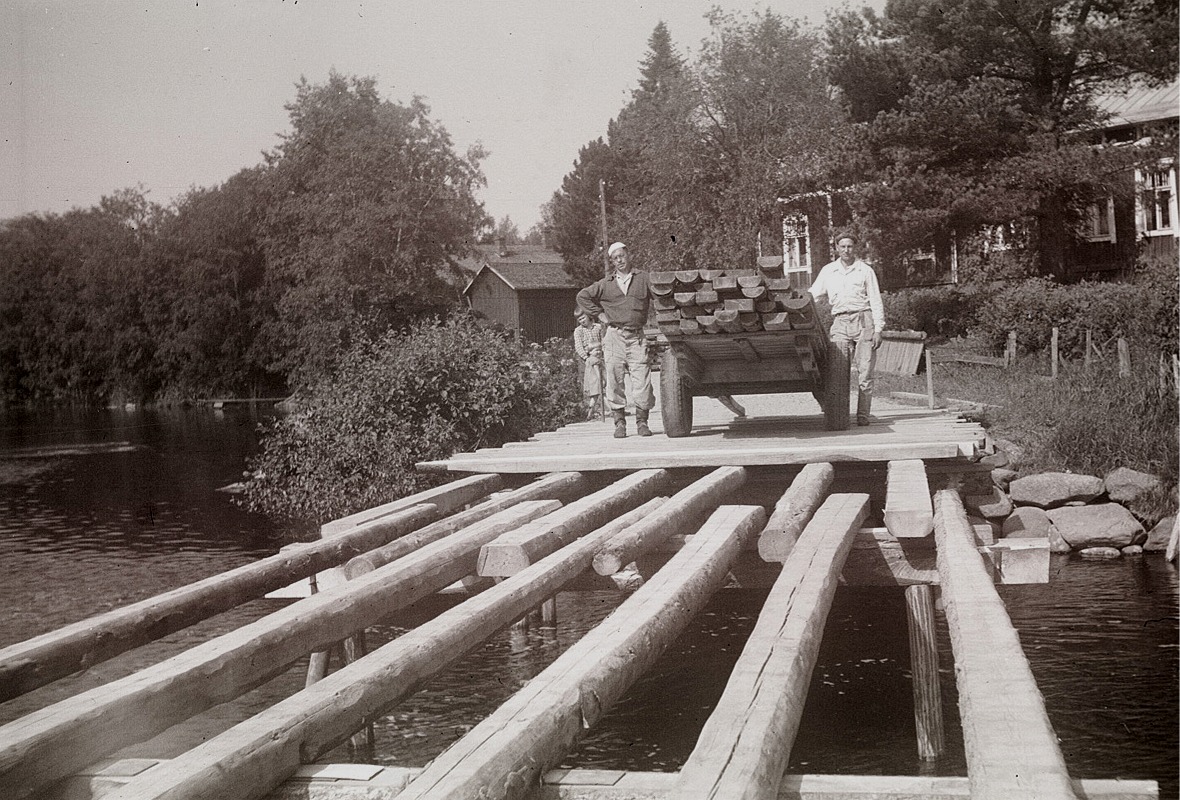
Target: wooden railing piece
<point>794,509</point>
<point>505,755</point>
<point>55,741</point>
<point>256,755</point>
<point>35,662</point>
<point>558,485</point>
<point>908,512</point>
<point>1012,751</point>
<point>516,549</point>
<point>743,749</point>
<point>693,500</point>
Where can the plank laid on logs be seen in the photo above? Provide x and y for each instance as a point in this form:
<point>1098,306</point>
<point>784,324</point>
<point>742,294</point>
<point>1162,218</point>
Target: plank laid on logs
<point>706,297</point>
<point>251,758</point>
<point>724,283</point>
<point>668,316</point>
<point>779,285</point>
<point>505,754</point>
<point>53,742</point>
<point>741,273</point>
<point>38,661</point>
<point>794,509</point>
<point>361,781</point>
<point>690,327</point>
<point>692,500</point>
<point>1012,751</point>
<point>514,550</point>
<point>691,312</point>
<point>743,749</point>
<point>557,485</point>
<point>908,510</point>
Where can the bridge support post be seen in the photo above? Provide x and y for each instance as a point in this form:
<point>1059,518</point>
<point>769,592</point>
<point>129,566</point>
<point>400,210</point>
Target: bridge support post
<point>919,606</point>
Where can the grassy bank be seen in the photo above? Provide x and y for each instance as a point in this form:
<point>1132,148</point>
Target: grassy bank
<point>1087,420</point>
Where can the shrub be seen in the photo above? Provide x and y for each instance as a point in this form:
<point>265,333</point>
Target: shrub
<point>1032,308</point>
<point>439,388</point>
<point>942,311</point>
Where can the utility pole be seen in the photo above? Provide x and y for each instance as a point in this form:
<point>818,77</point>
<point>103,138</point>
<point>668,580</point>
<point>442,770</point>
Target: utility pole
<point>602,214</point>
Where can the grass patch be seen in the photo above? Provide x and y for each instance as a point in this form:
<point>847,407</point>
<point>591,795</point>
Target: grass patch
<point>1088,420</point>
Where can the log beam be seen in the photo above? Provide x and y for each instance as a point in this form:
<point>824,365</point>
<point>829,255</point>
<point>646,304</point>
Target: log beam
<point>557,485</point>
<point>506,754</point>
<point>919,605</point>
<point>908,512</point>
<point>253,757</point>
<point>35,662</point>
<point>793,510</point>
<point>693,500</point>
<point>516,549</point>
<point>742,751</point>
<point>51,743</point>
<point>1011,748</point>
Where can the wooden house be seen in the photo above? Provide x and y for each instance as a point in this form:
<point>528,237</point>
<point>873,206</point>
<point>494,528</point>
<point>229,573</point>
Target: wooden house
<point>1138,216</point>
<point>524,288</point>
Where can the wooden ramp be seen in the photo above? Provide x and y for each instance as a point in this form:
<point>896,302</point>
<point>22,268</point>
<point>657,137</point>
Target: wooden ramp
<point>511,544</point>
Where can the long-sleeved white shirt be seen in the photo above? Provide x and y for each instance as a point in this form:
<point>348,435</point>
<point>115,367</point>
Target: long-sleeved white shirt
<point>852,288</point>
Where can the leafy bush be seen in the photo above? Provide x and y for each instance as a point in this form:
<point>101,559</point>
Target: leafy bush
<point>1032,308</point>
<point>939,311</point>
<point>440,388</point>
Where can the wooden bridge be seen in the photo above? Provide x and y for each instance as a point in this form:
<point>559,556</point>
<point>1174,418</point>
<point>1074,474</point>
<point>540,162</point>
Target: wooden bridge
<point>771,501</point>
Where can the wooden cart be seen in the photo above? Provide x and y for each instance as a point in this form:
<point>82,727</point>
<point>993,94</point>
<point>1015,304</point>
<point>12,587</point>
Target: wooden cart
<point>796,357</point>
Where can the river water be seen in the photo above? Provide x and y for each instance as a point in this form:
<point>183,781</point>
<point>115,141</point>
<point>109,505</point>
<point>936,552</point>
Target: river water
<point>102,508</point>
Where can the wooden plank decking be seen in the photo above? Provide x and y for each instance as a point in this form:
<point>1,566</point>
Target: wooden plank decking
<point>781,429</point>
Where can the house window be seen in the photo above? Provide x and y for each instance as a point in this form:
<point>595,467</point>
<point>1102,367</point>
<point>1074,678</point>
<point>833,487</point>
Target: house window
<point>1099,221</point>
<point>796,250</point>
<point>1157,201</point>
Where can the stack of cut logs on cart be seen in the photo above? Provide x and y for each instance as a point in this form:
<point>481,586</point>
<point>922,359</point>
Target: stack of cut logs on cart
<point>690,302</point>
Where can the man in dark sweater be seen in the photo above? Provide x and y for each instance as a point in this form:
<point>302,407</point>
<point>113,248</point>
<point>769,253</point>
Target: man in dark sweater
<point>620,303</point>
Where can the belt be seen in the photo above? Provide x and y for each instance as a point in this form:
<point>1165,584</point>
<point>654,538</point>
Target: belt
<point>846,313</point>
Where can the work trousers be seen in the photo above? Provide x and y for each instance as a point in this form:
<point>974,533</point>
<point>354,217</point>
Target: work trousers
<point>853,333</point>
<point>625,355</point>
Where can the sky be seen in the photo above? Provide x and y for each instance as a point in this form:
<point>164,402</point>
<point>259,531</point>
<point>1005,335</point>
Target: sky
<point>171,95</point>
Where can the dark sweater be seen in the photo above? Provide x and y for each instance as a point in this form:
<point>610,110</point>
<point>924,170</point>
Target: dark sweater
<point>604,297</point>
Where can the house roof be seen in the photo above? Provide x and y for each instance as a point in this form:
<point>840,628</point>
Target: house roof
<point>524,267</point>
<point>1141,104</point>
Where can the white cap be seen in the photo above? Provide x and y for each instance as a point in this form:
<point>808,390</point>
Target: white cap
<point>614,248</point>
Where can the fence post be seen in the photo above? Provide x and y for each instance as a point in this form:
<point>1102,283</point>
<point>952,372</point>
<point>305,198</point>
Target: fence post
<point>929,380</point>
<point>1089,345</point>
<point>1124,359</point>
<point>1011,351</point>
<point>1053,354</point>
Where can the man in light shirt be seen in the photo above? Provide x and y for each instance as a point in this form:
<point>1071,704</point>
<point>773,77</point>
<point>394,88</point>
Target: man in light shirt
<point>858,316</point>
<point>621,302</point>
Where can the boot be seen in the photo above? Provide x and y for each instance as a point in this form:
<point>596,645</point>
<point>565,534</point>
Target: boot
<point>864,403</point>
<point>641,422</point>
<point>620,422</point>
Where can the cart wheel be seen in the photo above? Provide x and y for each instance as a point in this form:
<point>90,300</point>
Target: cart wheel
<point>836,391</point>
<point>675,398</point>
